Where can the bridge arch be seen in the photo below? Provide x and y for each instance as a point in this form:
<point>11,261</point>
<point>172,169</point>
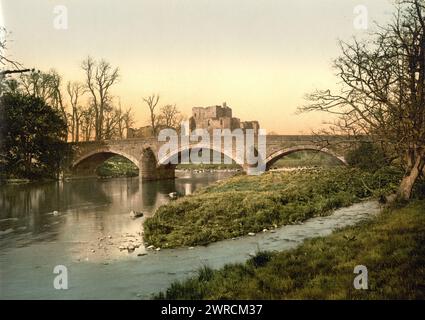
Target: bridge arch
<point>177,153</point>
<point>87,163</point>
<point>275,156</point>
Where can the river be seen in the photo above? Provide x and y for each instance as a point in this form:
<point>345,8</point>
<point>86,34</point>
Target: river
<point>82,224</point>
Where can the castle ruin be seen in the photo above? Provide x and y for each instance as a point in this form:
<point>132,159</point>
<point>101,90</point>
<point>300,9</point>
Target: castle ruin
<point>210,118</point>
<point>218,117</point>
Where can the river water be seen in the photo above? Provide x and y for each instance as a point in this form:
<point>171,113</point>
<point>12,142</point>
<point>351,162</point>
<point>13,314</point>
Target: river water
<point>85,224</point>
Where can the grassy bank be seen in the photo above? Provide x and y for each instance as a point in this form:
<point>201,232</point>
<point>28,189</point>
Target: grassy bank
<point>392,247</point>
<point>306,159</point>
<point>244,204</point>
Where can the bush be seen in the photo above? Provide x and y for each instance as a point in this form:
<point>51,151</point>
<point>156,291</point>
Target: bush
<point>32,136</point>
<point>367,156</point>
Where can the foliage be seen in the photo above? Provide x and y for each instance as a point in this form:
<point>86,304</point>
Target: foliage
<point>306,159</point>
<point>32,137</point>
<point>392,246</point>
<point>118,166</point>
<point>244,204</point>
<point>367,156</point>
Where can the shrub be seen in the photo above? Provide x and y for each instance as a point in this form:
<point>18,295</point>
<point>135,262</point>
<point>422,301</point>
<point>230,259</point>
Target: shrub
<point>367,156</point>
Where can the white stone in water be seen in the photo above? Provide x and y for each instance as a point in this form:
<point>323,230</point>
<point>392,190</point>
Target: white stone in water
<point>151,247</point>
<point>55,213</point>
<point>135,214</point>
<point>251,234</point>
<point>157,249</point>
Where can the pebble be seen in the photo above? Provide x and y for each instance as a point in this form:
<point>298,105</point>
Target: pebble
<point>251,234</point>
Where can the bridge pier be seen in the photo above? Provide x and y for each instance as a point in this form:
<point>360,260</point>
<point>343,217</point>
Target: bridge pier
<point>150,170</point>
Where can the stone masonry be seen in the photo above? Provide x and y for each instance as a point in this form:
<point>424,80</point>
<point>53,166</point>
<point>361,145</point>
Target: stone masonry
<point>218,117</point>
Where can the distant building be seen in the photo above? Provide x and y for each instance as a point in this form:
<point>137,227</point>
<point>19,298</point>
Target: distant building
<point>142,132</point>
<point>210,118</point>
<point>218,117</point>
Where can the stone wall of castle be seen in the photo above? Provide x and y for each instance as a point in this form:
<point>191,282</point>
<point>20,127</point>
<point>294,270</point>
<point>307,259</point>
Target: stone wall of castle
<point>218,117</point>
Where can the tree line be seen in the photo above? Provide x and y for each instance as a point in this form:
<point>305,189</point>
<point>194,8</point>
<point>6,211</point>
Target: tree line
<point>88,107</point>
<point>40,112</point>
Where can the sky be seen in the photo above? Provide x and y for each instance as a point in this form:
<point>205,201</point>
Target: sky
<point>259,56</point>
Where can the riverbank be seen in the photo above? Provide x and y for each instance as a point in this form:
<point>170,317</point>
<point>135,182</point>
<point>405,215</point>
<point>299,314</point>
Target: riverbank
<point>391,246</point>
<point>246,205</point>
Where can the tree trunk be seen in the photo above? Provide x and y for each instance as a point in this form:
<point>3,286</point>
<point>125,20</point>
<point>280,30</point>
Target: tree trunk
<point>73,125</point>
<point>409,179</point>
<point>77,130</point>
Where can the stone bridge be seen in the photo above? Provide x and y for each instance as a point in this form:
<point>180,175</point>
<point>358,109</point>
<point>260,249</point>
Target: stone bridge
<point>87,156</point>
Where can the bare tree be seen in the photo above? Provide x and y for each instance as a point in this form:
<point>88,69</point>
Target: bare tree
<point>5,62</point>
<point>111,122</point>
<point>152,102</point>
<point>87,120</point>
<point>382,97</point>
<point>126,121</point>
<point>100,76</point>
<point>75,91</point>
<point>170,117</point>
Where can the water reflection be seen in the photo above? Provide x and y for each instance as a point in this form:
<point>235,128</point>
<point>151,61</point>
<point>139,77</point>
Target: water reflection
<point>78,213</point>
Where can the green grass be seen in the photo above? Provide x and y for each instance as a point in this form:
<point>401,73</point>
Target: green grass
<point>118,166</point>
<point>391,246</point>
<point>307,159</point>
<point>244,204</point>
